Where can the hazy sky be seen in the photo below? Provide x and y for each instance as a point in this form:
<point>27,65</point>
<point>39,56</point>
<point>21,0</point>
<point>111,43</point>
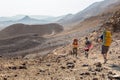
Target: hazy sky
<point>42,7</point>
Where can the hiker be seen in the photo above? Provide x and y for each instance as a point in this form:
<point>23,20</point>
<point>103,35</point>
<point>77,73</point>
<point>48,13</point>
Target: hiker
<point>75,47</point>
<point>106,40</point>
<point>88,46</point>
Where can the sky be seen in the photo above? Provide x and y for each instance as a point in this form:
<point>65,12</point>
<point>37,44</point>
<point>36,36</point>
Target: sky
<point>43,7</point>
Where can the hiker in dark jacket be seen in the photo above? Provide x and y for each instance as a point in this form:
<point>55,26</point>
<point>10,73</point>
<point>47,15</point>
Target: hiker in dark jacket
<point>106,40</point>
<point>88,46</point>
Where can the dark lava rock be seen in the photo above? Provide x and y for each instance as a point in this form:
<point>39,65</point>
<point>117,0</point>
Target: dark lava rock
<point>4,78</point>
<point>95,78</point>
<point>74,61</point>
<point>85,65</point>
<point>48,65</point>
<point>110,72</point>
<point>110,52</point>
<point>70,65</point>
<point>71,70</point>
<point>13,67</point>
<point>48,73</point>
<point>94,73</point>
<point>87,73</point>
<point>22,67</point>
<point>81,77</point>
<point>15,75</point>
<point>119,57</point>
<point>98,64</point>
<point>82,73</point>
<point>98,69</point>
<point>19,67</point>
<point>42,70</point>
<point>24,64</point>
<point>62,67</point>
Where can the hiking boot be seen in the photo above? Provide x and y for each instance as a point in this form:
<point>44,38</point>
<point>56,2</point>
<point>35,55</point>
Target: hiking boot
<point>105,61</point>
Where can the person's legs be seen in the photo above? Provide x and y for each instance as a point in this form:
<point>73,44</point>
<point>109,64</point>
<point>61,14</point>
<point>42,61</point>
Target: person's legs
<point>104,56</point>
<point>104,52</point>
<point>86,53</point>
<point>75,52</point>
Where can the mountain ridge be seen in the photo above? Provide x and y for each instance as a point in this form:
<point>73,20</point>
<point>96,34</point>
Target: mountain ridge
<point>92,10</point>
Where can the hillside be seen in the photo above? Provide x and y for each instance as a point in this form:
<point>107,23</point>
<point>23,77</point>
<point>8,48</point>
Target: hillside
<point>95,22</point>
<point>61,67</point>
<point>22,29</point>
<point>21,39</point>
<point>92,10</point>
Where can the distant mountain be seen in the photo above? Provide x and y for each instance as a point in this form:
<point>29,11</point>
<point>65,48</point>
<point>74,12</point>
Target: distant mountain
<point>10,22</point>
<point>32,19</point>
<point>28,20</point>
<point>65,18</point>
<point>13,18</point>
<point>47,18</point>
<point>92,10</point>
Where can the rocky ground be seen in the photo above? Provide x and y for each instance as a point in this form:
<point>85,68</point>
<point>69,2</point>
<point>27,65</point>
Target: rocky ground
<point>60,65</point>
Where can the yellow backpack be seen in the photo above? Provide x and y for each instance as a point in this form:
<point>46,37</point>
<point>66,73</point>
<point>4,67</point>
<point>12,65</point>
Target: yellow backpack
<point>107,38</point>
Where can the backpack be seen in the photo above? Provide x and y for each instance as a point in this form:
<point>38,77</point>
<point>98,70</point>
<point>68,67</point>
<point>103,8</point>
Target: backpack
<point>107,38</point>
